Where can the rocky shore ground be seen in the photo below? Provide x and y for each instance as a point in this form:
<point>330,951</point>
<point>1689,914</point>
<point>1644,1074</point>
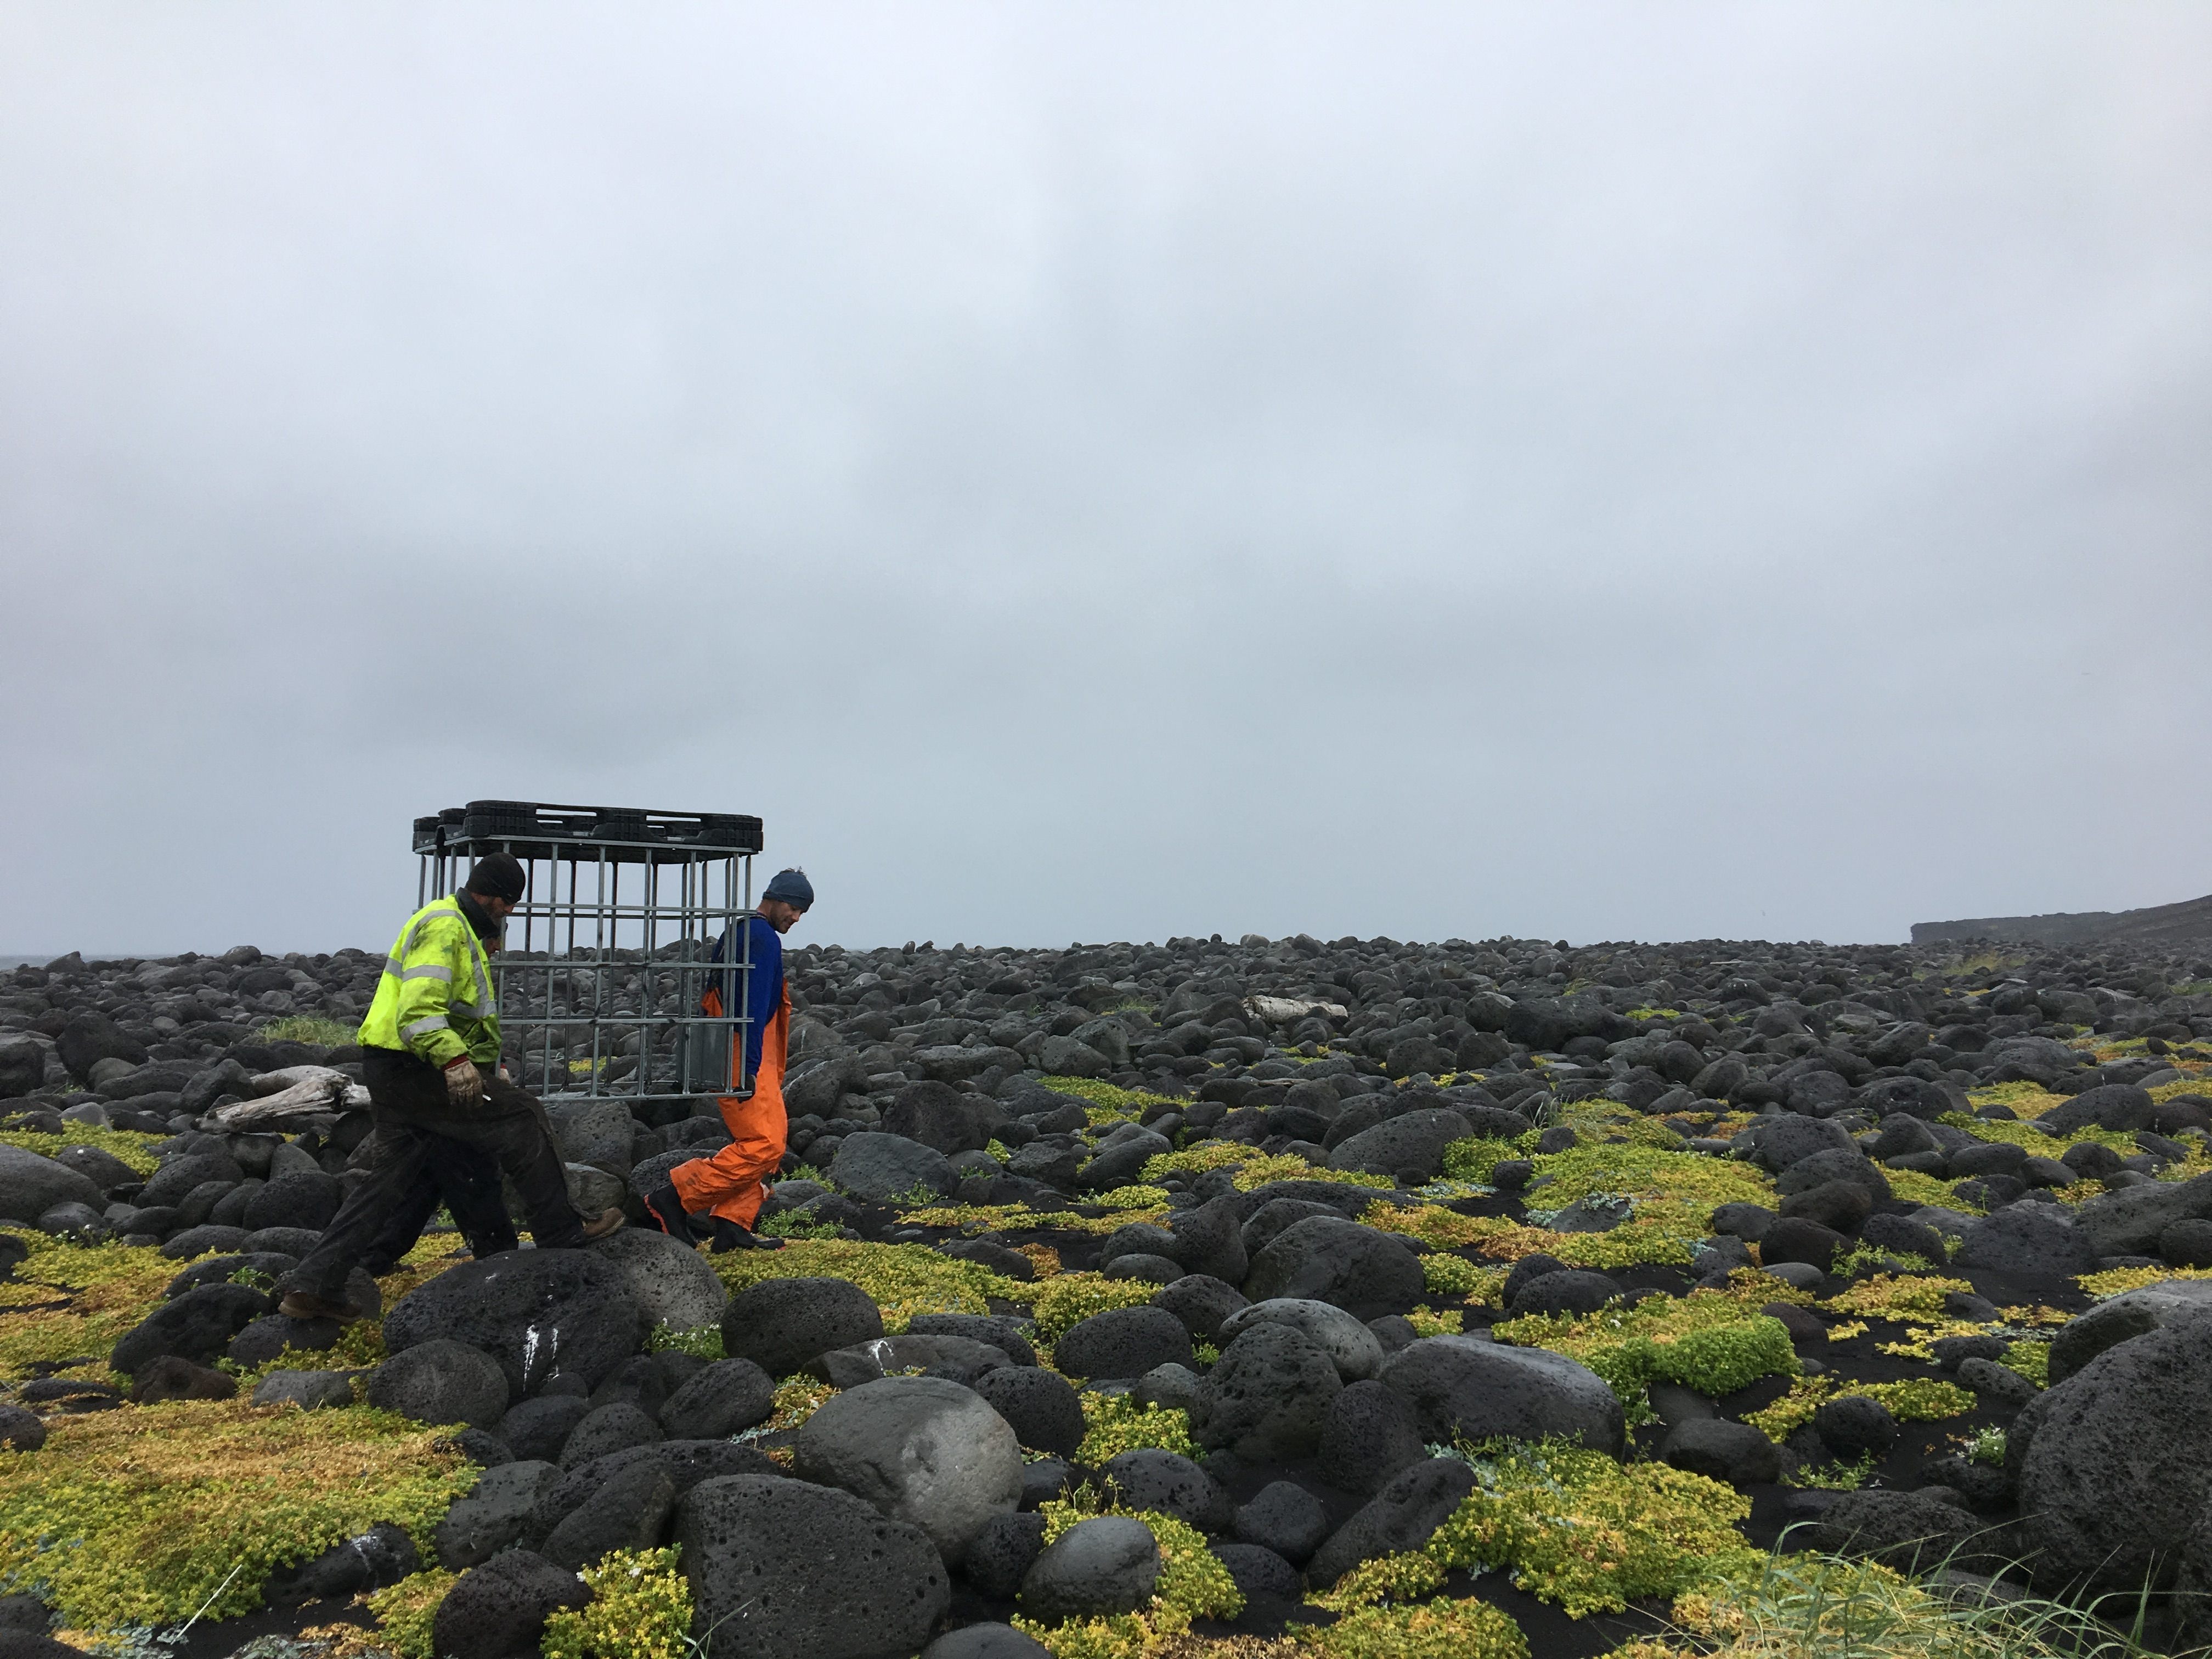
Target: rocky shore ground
<point>1268,1297</point>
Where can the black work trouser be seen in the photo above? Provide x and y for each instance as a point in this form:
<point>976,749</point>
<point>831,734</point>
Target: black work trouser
<point>417,1126</point>
<point>465,1180</point>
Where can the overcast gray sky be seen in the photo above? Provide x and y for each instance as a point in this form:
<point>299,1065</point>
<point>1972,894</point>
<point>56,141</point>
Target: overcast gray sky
<point>1626,470</point>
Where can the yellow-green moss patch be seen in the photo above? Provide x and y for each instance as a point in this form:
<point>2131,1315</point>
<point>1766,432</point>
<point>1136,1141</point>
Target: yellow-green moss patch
<point>1580,1529</point>
<point>138,1516</point>
<point>905,1280</point>
<point>640,1609</point>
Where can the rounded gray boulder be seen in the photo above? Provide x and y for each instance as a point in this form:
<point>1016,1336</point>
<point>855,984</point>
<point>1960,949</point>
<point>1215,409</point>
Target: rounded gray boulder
<point>766,1558</point>
<point>670,1281</point>
<point>1457,1385</point>
<point>873,1167</point>
<point>1355,1351</point>
<point>441,1381</point>
<point>918,1449</point>
<point>1268,1396</point>
<point>1099,1567</point>
<point>1325,1258</point>
<point>781,1323</point>
<point>534,1311</point>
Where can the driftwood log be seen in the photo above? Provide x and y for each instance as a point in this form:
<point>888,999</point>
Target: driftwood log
<point>295,1098</point>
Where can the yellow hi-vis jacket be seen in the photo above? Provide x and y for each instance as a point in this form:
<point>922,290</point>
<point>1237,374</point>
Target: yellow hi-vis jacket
<point>435,998</point>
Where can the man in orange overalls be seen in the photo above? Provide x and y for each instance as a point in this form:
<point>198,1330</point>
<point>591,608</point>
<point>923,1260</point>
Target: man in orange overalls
<point>728,1186</point>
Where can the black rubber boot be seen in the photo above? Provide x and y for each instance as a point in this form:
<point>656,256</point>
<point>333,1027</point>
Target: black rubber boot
<point>666,1211</point>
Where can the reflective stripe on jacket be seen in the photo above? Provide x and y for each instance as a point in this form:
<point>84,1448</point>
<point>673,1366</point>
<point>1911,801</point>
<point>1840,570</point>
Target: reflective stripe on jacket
<point>435,998</point>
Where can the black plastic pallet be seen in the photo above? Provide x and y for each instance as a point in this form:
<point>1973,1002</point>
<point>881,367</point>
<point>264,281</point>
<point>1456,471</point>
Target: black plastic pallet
<point>621,834</point>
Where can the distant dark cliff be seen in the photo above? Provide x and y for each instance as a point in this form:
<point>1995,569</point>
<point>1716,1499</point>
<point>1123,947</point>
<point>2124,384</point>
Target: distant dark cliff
<point>2173,925</point>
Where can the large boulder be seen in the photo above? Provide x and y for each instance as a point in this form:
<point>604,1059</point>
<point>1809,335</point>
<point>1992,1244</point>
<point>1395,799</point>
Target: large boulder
<point>1399,1519</point>
<point>306,1200</point>
<point>442,1382</point>
<point>687,1462</point>
<point>2108,1106</point>
<point>1779,1142</point>
<point>22,1066</point>
<point>1166,1483</point>
<point>2137,1313</point>
<point>1043,1407</point>
<point>1122,1157</point>
<point>1203,1302</point>
<point>197,1325</point>
<point>727,1397</point>
<point>1369,1434</point>
<point>874,1167</point>
<point>627,1512</point>
<point>2129,1222</point>
<point>1208,1241</point>
<point>1910,1531</point>
<point>2119,1464</point>
<point>936,1116</point>
<point>919,1448</point>
<point>177,1177</point>
<point>1355,1351</point>
<point>1096,1568</point>
<point>1326,1259</point>
<point>1412,1142</point>
<point>102,1169</point>
<point>1122,1342</point>
<point>606,1430</point>
<point>492,1516</point>
<point>960,1358</point>
<point>1459,1385</point>
<point>31,1185</point>
<point>781,1323</point>
<point>534,1311</point>
<point>498,1610</point>
<point>783,1570</point>
<point>2039,1240</point>
<point>670,1281</point>
<point>88,1038</point>
<point>1267,1395</point>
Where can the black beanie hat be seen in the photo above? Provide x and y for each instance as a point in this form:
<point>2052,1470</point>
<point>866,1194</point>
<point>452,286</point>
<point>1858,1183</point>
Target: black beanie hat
<point>498,875</point>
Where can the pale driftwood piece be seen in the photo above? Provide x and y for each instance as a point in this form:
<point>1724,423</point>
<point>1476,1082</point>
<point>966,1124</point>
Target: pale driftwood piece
<point>311,1103</point>
<point>272,1082</point>
<point>1282,1010</point>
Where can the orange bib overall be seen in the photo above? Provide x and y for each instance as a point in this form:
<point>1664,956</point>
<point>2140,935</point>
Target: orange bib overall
<point>728,1184</point>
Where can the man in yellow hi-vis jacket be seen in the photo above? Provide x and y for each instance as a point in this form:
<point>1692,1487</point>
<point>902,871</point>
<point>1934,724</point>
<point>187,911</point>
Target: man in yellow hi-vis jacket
<point>430,1054</point>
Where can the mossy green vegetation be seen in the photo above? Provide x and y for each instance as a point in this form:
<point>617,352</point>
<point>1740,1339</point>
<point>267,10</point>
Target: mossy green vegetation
<point>141,1516</point>
<point>1133,1198</point>
<point>702,1341</point>
<point>407,1612</point>
<point>1580,1529</point>
<point>1066,1299</point>
<point>136,1150</point>
<point>1915,1399</point>
<point>1824,1606</point>
<point>70,1302</point>
<point>315,1028</point>
<point>1114,1423</point>
<point>1475,1159</point>
<point>1403,1578</point>
<point>1437,1629</point>
<point>905,1280</point>
<point>1113,1102</point>
<point>640,1609</point>
<point>1708,1340</point>
<point>1252,1168</point>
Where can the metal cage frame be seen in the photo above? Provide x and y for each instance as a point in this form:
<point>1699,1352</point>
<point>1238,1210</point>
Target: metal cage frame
<point>620,974</point>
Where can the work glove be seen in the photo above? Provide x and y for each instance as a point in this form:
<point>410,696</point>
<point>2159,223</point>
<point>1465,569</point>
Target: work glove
<point>465,1084</point>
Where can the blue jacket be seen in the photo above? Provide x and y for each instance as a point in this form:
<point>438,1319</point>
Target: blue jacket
<point>764,996</point>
